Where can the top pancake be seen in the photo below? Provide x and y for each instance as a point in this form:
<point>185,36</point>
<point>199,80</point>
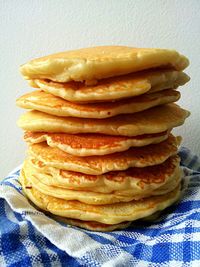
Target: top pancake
<point>154,120</point>
<point>120,87</point>
<point>92,64</point>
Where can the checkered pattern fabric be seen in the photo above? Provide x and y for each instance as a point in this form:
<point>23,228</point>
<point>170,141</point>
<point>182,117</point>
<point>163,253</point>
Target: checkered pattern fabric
<point>30,238</point>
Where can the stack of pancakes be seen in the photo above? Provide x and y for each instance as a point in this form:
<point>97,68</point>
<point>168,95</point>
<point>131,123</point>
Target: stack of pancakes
<point>100,149</point>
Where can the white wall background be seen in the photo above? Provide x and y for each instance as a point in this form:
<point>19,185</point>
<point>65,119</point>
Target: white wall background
<point>34,28</point>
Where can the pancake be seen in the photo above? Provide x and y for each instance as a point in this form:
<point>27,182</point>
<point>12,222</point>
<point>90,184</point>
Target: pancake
<point>114,88</point>
<point>95,63</point>
<point>101,227</point>
<point>94,198</point>
<point>107,214</point>
<point>134,157</point>
<point>96,226</point>
<point>93,144</point>
<point>45,102</point>
<point>137,181</point>
<point>154,120</point>
<point>91,225</point>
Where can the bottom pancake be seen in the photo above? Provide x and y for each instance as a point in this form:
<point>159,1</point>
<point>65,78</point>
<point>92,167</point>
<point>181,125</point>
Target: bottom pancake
<point>102,227</point>
<point>91,225</point>
<point>106,214</point>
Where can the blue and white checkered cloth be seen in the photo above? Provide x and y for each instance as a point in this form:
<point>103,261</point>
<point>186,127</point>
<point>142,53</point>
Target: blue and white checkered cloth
<point>30,238</point>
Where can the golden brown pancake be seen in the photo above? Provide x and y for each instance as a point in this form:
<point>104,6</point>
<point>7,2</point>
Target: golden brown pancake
<point>95,63</point>
<point>133,181</point>
<point>154,120</point>
<point>95,198</point>
<point>96,165</point>
<point>116,88</point>
<point>91,225</point>
<point>45,102</point>
<point>93,144</point>
<point>108,214</point>
<point>96,226</point>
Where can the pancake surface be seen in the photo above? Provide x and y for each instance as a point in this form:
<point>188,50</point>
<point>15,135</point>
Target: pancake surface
<point>154,120</point>
<point>108,214</point>
<point>134,157</point>
<point>91,64</point>
<point>136,181</point>
<point>45,102</point>
<point>114,88</point>
<point>93,144</point>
